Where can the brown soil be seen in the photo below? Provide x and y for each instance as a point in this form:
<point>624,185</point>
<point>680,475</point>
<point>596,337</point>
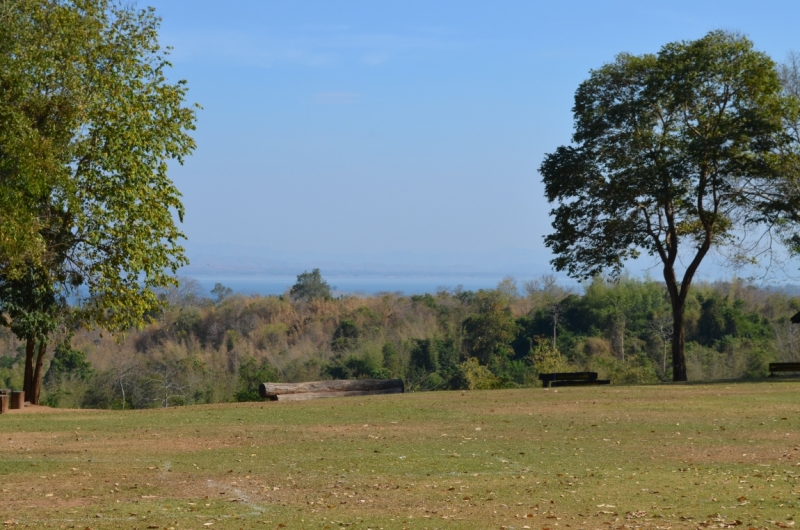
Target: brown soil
<point>37,409</point>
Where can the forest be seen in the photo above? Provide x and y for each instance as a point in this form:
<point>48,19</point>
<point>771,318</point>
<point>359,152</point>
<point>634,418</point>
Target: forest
<point>206,350</point>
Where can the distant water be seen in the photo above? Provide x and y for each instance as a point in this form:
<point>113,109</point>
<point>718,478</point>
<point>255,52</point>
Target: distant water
<point>265,285</point>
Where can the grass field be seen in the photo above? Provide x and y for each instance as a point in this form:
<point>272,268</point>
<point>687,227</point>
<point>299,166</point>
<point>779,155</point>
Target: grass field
<point>672,456</point>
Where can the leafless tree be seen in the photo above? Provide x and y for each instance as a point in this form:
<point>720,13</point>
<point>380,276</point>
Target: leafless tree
<point>123,375</point>
<point>167,378</point>
<point>789,73</point>
<point>547,294</point>
<point>188,292</point>
<point>661,326</point>
<point>554,297</point>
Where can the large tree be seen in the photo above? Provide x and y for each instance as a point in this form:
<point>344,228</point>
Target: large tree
<point>675,155</point>
<point>88,123</point>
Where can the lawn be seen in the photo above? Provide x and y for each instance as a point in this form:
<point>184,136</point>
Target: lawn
<point>670,456</point>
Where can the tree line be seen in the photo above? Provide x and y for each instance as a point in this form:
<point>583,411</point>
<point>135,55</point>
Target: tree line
<point>205,350</point>
<point>687,152</point>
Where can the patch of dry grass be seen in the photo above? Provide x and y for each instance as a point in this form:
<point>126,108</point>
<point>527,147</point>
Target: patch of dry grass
<point>604,457</point>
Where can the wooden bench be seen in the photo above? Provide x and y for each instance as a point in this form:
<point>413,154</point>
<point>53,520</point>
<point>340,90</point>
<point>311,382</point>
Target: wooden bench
<point>783,367</point>
<point>571,379</point>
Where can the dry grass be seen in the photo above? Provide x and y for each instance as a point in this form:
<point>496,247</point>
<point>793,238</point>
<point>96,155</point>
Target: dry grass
<point>605,457</point>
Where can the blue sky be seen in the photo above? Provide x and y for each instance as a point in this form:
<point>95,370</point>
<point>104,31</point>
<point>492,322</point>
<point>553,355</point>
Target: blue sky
<point>400,136</point>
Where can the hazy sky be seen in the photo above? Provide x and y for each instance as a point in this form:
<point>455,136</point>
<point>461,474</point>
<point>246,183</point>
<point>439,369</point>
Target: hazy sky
<point>401,132</point>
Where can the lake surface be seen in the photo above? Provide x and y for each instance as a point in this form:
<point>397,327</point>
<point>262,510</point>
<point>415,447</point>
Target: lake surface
<point>265,285</point>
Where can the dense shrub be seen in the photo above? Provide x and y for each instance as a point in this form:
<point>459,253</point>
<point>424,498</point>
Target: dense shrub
<point>199,351</point>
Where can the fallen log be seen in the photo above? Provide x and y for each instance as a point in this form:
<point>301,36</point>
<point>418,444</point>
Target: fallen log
<point>342,387</point>
<point>320,395</point>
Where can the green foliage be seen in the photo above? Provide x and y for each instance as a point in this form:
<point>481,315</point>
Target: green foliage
<point>85,152</point>
<point>637,369</point>
<point>31,303</point>
<point>716,92</point>
<point>433,355</point>
<point>220,352</point>
<point>102,394</point>
<point>252,374</point>
<point>391,359</point>
<point>221,292</point>
<point>310,286</point>
<point>424,355</point>
<point>11,365</point>
<point>271,335</point>
<point>491,331</point>
<point>27,162</point>
<point>188,322</point>
<point>368,365</point>
<point>426,299</point>
<point>68,363</point>
<point>719,318</point>
<point>434,364</point>
<point>477,376</point>
<point>345,337</point>
<point>110,211</point>
<point>547,359</point>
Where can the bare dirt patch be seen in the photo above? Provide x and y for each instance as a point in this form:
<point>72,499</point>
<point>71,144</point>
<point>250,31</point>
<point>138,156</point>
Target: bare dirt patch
<point>35,409</point>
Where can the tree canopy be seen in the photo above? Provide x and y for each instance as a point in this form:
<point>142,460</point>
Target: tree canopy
<point>88,123</point>
<point>310,286</point>
<point>674,155</point>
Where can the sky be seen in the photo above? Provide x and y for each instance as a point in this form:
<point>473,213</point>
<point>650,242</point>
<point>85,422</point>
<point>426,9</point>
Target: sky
<point>399,137</point>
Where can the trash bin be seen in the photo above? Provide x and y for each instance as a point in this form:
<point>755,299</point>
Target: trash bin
<point>17,399</point>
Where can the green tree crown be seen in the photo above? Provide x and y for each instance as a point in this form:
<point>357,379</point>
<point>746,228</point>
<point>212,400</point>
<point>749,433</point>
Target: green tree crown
<point>673,155</point>
<point>310,286</point>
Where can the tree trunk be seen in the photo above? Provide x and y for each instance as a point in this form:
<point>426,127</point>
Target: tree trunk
<point>554,334</point>
<point>36,386</point>
<point>30,348</point>
<point>678,336</point>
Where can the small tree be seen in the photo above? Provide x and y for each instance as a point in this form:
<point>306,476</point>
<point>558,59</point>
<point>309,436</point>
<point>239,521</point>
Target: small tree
<point>548,359</point>
<point>674,155</point>
<point>252,374</point>
<point>546,292</point>
<point>310,286</point>
<point>68,362</point>
<point>490,332</point>
<point>167,377</point>
<point>661,327</point>
<point>221,292</point>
